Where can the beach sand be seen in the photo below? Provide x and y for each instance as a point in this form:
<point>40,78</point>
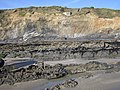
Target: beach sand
<point>99,81</point>
<point>82,61</point>
<point>30,85</point>
<point>109,81</point>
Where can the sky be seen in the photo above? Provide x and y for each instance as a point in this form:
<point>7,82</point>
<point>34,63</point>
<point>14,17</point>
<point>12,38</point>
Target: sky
<point>10,4</point>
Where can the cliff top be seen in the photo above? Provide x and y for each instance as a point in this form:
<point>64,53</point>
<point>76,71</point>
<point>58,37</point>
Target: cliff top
<point>100,12</point>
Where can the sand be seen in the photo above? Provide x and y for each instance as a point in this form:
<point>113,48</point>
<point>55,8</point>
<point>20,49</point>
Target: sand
<point>83,61</point>
<point>30,85</point>
<point>64,62</point>
<point>100,80</point>
<point>109,81</point>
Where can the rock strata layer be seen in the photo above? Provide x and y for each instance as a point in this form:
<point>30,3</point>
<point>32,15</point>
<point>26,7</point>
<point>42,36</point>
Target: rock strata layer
<point>10,75</point>
<point>61,50</point>
<point>58,23</point>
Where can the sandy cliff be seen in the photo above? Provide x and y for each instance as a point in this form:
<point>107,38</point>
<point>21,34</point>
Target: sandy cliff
<point>54,22</point>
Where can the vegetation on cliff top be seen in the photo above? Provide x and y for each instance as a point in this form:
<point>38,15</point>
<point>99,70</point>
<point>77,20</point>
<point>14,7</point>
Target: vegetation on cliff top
<point>55,21</point>
<point>107,13</point>
<point>101,12</point>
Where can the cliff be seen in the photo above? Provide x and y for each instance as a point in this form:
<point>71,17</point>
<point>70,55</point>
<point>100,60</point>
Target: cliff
<point>50,23</point>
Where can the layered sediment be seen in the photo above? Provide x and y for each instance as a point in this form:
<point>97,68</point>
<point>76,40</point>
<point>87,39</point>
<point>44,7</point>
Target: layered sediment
<point>60,50</point>
<point>56,23</point>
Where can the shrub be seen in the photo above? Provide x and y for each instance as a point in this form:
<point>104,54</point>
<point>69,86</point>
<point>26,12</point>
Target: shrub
<point>22,14</point>
<point>92,7</point>
<point>62,9</point>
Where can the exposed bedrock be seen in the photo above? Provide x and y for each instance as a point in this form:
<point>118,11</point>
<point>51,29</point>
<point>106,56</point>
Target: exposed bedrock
<point>59,50</point>
<point>11,75</point>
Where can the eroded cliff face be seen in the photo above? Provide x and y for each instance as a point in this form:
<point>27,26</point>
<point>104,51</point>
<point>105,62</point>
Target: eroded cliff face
<point>56,22</point>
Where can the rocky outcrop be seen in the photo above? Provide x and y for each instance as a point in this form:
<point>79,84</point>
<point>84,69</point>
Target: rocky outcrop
<point>2,63</point>
<point>96,66</point>
<point>10,75</point>
<point>67,84</point>
<point>90,66</point>
<point>60,50</point>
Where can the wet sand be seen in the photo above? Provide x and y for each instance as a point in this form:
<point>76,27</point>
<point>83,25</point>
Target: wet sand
<point>30,85</point>
<point>15,60</point>
<point>109,81</point>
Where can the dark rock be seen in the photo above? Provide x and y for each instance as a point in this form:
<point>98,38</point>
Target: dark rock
<point>2,63</point>
<point>10,75</point>
<point>57,87</point>
<point>67,84</point>
<point>94,65</point>
<point>70,83</point>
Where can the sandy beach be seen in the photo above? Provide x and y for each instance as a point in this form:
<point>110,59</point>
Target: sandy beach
<point>110,81</point>
<point>30,85</point>
<point>99,81</point>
